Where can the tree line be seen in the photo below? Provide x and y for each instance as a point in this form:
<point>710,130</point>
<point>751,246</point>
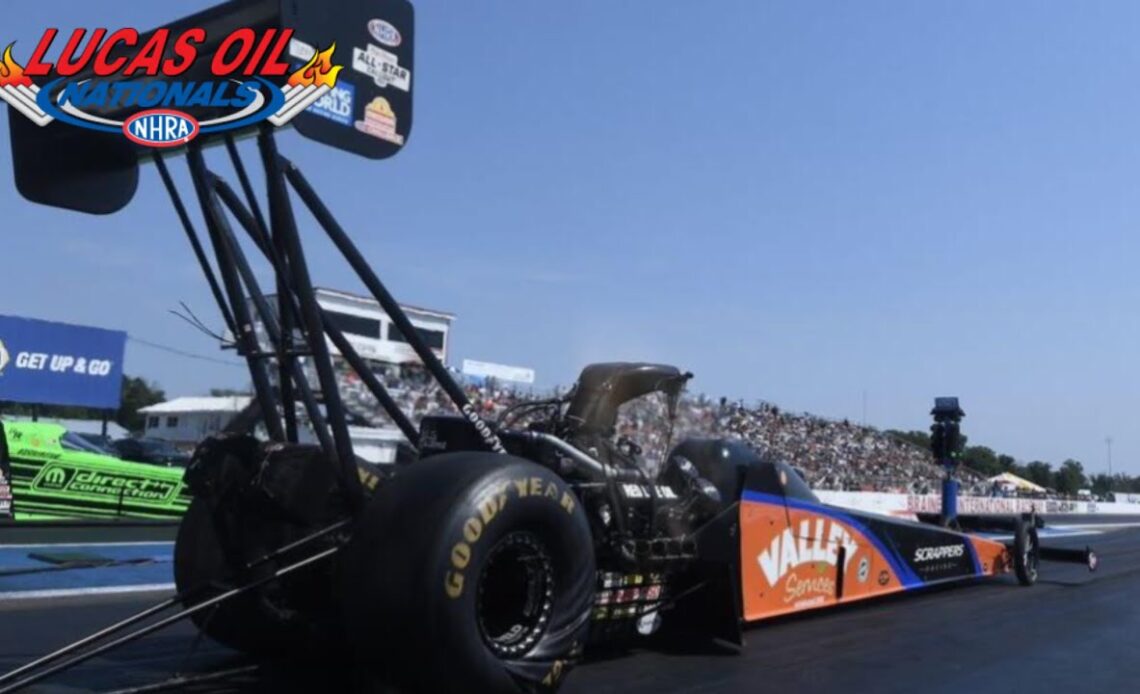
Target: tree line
<point>137,394</point>
<point>1066,479</point>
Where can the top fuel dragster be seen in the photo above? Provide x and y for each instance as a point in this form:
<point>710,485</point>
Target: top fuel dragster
<point>496,553</point>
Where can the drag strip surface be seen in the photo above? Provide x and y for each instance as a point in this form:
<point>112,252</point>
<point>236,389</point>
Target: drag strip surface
<point>1073,631</point>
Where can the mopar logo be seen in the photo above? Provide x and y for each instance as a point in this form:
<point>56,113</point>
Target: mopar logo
<point>4,359</point>
<point>160,128</point>
<point>52,477</point>
<point>923,554</point>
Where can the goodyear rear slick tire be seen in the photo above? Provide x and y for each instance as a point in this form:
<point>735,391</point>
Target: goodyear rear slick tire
<point>470,572</point>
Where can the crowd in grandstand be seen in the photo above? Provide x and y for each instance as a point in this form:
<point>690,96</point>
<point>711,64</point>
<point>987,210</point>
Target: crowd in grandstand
<point>834,455</point>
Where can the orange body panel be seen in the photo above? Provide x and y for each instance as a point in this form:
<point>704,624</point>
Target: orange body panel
<point>793,558</point>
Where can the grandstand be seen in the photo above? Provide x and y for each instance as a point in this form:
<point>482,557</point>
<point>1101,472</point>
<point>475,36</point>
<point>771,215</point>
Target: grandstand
<point>838,456</point>
<point>834,455</point>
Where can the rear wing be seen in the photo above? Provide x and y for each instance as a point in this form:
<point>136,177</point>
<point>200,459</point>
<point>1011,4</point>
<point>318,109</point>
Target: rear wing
<point>84,167</point>
<point>341,73</point>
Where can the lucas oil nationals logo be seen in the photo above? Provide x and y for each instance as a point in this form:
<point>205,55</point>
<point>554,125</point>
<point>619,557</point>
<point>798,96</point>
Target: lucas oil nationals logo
<point>121,72</point>
<point>816,548</point>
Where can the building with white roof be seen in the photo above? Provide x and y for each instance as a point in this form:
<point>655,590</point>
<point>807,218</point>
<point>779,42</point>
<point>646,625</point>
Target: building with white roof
<point>189,420</point>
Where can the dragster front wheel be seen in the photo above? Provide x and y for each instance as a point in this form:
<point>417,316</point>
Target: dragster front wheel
<point>1026,552</point>
<point>470,572</point>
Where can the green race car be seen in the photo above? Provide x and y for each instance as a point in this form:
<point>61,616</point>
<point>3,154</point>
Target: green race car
<point>53,474</point>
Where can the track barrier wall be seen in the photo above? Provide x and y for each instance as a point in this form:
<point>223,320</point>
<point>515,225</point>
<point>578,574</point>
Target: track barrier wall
<point>906,505</point>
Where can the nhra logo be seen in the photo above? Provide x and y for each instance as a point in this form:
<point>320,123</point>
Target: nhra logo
<point>116,72</point>
<point>4,357</point>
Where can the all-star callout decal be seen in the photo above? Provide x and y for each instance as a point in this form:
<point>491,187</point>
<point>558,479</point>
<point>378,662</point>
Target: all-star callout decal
<point>144,77</point>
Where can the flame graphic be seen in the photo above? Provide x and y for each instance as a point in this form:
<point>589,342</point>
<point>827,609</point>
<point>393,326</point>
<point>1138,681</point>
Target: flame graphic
<point>318,72</point>
<point>11,72</point>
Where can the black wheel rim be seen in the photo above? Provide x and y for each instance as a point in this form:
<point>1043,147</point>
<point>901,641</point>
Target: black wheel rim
<point>515,595</point>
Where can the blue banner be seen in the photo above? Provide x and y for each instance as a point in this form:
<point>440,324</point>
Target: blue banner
<point>47,363</point>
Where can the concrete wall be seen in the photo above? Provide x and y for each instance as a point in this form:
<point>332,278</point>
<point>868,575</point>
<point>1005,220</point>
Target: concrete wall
<point>906,505</point>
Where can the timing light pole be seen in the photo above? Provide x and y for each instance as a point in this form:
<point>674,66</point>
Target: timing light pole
<point>946,445</point>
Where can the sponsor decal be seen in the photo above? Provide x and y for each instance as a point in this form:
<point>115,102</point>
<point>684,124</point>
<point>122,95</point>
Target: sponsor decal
<point>382,66</point>
<point>925,554</point>
<point>56,363</point>
<point>786,552</point>
<point>385,33</point>
<point>369,480</point>
<point>161,128</point>
<point>430,442</point>
<point>301,51</point>
<point>805,592</point>
<point>884,577</point>
<point>52,478</point>
<point>140,81</point>
<point>337,105</point>
<point>638,491</point>
<point>649,623</point>
<point>555,674</point>
<point>469,412</point>
<point>490,507</point>
<point>864,569</point>
<point>60,478</point>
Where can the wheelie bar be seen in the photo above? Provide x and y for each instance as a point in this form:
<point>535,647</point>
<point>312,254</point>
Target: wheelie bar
<point>1073,556</point>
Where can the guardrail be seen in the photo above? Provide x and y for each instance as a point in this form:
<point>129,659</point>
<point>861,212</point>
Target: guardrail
<point>907,505</point>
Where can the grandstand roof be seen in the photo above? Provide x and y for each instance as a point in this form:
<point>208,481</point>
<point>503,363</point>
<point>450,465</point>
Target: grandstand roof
<point>368,299</point>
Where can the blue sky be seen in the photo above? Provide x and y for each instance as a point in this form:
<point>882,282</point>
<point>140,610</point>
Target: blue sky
<point>797,201</point>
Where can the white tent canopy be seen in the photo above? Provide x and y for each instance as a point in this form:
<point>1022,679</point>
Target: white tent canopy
<point>1009,479</point>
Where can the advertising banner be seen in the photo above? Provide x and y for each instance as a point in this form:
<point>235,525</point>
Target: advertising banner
<point>48,363</point>
<point>483,369</point>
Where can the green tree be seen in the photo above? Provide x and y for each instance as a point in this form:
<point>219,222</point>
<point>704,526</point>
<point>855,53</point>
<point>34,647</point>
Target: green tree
<point>1007,463</point>
<point>983,459</point>
<point>1040,473</point>
<point>1071,477</point>
<point>1101,484</point>
<point>137,394</point>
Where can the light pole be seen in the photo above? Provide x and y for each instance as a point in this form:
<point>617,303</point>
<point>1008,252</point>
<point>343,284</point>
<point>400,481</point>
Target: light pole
<point>1108,447</point>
